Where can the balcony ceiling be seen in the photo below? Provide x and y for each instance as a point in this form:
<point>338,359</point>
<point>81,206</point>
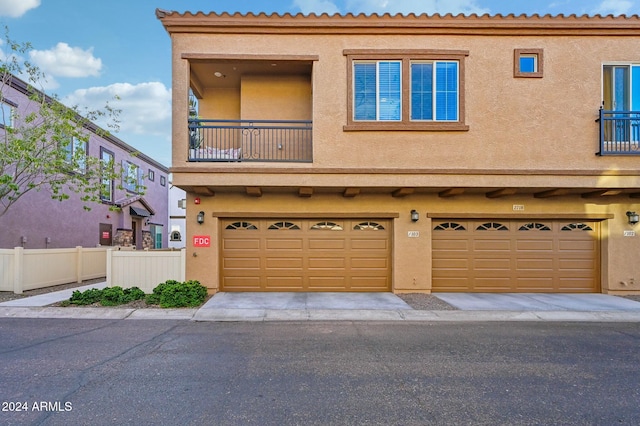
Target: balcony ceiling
<point>207,74</point>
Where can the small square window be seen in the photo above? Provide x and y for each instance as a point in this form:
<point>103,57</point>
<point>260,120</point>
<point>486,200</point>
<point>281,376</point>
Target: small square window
<point>527,63</point>
<point>152,175</point>
<point>163,181</point>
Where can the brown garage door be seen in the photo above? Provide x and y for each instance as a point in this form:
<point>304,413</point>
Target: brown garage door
<point>305,255</point>
<point>516,256</point>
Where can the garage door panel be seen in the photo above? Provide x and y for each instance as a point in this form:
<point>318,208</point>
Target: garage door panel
<point>369,283</point>
<point>534,264</point>
<point>461,245</point>
<point>326,244</point>
<point>284,283</point>
<point>242,283</point>
<point>492,263</point>
<point>577,245</point>
<point>369,263</point>
<point>534,245</point>
<point>241,263</point>
<point>370,244</point>
<point>492,245</point>
<point>241,245</point>
<point>283,244</point>
<point>327,263</point>
<point>283,263</point>
<point>516,256</point>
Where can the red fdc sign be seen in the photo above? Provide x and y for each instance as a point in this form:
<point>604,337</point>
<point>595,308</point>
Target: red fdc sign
<point>201,241</point>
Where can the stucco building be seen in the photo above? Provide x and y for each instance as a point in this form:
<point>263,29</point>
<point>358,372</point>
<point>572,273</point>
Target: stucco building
<point>408,153</point>
<point>130,214</point>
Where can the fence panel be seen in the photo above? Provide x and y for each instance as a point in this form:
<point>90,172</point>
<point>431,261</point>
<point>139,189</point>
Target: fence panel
<point>6,269</point>
<point>144,269</point>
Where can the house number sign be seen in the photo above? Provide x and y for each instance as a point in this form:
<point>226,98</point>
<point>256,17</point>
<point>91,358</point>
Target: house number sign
<point>413,234</point>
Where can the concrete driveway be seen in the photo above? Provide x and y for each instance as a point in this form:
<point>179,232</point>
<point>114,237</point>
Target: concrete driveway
<point>388,301</point>
<point>538,302</point>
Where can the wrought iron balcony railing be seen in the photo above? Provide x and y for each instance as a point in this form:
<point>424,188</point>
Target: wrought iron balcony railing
<point>619,132</point>
<point>250,140</point>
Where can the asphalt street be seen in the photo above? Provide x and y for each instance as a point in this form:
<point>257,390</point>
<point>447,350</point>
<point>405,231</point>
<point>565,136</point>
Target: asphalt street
<point>104,372</point>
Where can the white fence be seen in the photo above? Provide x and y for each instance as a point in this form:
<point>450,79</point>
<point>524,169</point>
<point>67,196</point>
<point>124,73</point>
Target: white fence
<point>144,269</point>
<point>22,270</point>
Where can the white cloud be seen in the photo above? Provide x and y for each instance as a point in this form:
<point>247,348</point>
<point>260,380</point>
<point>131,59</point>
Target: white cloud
<point>66,61</point>
<point>17,8</point>
<point>616,7</point>
<point>145,107</point>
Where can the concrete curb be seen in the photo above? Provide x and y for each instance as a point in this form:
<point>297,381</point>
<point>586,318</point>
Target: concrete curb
<point>273,315</point>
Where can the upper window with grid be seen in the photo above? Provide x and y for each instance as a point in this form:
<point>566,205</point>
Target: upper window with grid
<point>421,90</point>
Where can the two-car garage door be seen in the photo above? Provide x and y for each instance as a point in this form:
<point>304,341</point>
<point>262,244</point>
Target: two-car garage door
<point>306,255</point>
<point>516,256</point>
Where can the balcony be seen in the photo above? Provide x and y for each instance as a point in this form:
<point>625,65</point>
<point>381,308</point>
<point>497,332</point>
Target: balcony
<point>619,132</point>
<point>285,141</point>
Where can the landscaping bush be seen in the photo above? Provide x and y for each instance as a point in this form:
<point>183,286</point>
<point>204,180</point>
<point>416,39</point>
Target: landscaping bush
<point>109,296</point>
<point>87,297</point>
<point>174,294</point>
<point>154,297</point>
<point>113,296</point>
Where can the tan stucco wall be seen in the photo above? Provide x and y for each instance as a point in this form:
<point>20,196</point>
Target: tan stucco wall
<point>285,97</point>
<point>537,116</point>
<point>411,257</point>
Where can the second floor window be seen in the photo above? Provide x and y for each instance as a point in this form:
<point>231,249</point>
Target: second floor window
<point>131,180</point>
<point>8,114</point>
<point>107,159</point>
<point>405,90</point>
<point>76,154</point>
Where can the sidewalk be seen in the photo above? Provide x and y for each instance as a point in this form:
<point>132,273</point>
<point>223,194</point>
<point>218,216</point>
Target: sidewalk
<point>338,307</point>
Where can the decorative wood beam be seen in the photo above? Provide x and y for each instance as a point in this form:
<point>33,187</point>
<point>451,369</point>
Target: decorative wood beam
<point>254,191</point>
<point>203,190</point>
<point>402,192</point>
<point>351,192</point>
<point>551,193</point>
<point>451,192</point>
<point>634,195</point>
<point>602,193</point>
<point>305,191</point>
<point>501,193</point>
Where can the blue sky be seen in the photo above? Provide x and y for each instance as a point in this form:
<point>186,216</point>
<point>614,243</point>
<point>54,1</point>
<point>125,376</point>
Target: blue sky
<point>92,50</point>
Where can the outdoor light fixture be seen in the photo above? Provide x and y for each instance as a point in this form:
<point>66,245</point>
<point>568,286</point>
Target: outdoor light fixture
<point>633,218</point>
<point>415,215</point>
<point>200,218</point>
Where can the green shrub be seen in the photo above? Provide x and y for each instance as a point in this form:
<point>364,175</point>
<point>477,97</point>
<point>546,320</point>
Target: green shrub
<point>174,294</point>
<point>87,297</point>
<point>109,296</point>
<point>154,297</point>
<point>112,296</point>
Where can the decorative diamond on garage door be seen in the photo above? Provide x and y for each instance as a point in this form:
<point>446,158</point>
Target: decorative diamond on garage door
<point>305,255</point>
<point>516,256</point>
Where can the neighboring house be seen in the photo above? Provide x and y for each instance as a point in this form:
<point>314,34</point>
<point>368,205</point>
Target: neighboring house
<point>408,153</point>
<point>177,218</point>
<point>126,217</point>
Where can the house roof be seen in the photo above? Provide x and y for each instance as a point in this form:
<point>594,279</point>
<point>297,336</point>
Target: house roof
<point>397,24</point>
<point>128,201</point>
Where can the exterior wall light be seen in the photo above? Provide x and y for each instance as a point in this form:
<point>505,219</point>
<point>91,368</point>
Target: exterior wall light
<point>633,218</point>
<point>415,215</point>
<point>200,218</point>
